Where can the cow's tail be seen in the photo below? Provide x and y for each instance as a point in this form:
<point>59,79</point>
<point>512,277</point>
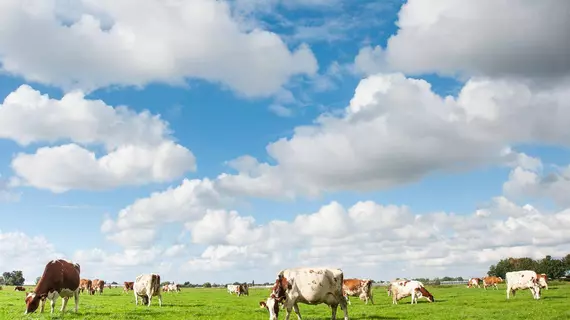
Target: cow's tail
<point>369,287</point>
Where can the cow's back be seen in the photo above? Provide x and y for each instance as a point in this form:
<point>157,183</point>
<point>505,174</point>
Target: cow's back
<point>315,284</point>
<point>63,274</point>
<point>520,278</point>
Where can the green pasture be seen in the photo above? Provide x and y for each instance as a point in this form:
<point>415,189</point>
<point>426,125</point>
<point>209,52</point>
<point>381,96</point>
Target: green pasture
<point>452,302</point>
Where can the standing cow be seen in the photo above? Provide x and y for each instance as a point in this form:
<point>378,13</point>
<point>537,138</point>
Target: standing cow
<point>361,288</point>
<point>405,288</point>
<point>60,278</point>
<point>85,284</point>
<point>147,286</point>
<point>491,281</point>
<point>308,286</point>
<point>128,285</point>
<point>98,286</point>
<point>474,282</point>
<point>521,280</point>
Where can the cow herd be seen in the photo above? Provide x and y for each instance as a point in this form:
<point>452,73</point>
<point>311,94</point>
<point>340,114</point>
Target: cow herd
<point>310,286</point>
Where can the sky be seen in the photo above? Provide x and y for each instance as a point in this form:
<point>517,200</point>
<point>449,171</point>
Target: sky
<point>224,141</point>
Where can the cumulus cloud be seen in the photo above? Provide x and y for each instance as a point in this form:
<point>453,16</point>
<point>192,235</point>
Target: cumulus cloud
<point>19,251</point>
<point>533,182</point>
<point>138,145</point>
<point>515,38</point>
<point>370,234</point>
<point>95,44</point>
<point>396,130</point>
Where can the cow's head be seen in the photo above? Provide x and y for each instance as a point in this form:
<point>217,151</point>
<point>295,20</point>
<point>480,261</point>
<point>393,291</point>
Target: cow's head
<point>277,296</point>
<point>33,301</point>
<point>426,294</point>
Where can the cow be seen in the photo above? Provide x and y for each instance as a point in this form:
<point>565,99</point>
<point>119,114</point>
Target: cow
<point>147,286</point>
<point>232,288</point>
<point>358,287</point>
<point>173,287</point>
<point>60,278</point>
<point>128,285</point>
<point>97,286</point>
<point>85,284</point>
<point>165,288</point>
<point>308,286</point>
<point>491,281</point>
<point>474,282</point>
<point>542,278</point>
<point>389,287</point>
<point>19,288</point>
<point>243,289</point>
<point>405,288</point>
<point>521,280</point>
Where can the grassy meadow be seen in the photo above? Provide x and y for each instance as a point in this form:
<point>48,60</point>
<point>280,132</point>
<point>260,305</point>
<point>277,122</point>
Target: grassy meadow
<point>452,302</point>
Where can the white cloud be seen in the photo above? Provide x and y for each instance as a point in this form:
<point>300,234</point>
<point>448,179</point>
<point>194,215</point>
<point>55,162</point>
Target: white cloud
<point>138,145</point>
<point>19,251</point>
<point>532,182</point>
<point>474,38</point>
<point>396,130</point>
<point>94,44</point>
<point>7,195</point>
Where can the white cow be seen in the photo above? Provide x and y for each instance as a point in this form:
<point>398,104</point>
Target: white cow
<point>147,286</point>
<point>405,288</point>
<point>308,286</point>
<point>173,287</point>
<point>521,280</point>
<point>232,288</point>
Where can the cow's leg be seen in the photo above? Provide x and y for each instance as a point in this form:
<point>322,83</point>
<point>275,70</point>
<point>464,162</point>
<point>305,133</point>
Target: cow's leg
<point>42,305</point>
<point>149,297</point>
<point>297,312</point>
<point>344,308</point>
<point>347,299</point>
<point>63,304</point>
<point>52,305</point>
<point>76,296</point>
<point>136,298</point>
<point>334,307</point>
<point>159,299</point>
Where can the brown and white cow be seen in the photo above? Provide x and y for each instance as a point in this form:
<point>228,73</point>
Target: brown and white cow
<point>474,282</point>
<point>405,288</point>
<point>147,286</point>
<point>243,289</point>
<point>521,280</point>
<point>361,288</point>
<point>60,278</point>
<point>128,285</point>
<point>542,280</point>
<point>491,281</point>
<point>308,286</point>
<point>85,284</point>
<point>98,286</point>
<point>19,288</point>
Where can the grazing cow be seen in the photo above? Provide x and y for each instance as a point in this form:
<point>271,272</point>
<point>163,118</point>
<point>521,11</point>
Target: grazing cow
<point>542,278</point>
<point>147,286</point>
<point>358,287</point>
<point>474,282</point>
<point>60,278</point>
<point>232,288</point>
<point>405,288</point>
<point>19,288</point>
<point>85,284</point>
<point>389,287</point>
<point>173,287</point>
<point>521,280</point>
<point>165,288</point>
<point>308,286</point>
<point>491,281</point>
<point>243,289</point>
<point>128,285</point>
<point>98,286</point>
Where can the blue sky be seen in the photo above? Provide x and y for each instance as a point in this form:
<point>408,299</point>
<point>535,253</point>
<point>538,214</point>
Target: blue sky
<point>319,131</point>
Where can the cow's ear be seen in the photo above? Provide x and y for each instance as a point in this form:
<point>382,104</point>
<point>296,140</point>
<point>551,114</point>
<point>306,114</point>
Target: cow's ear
<point>262,304</point>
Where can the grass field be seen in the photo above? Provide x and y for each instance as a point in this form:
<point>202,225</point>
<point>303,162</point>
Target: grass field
<point>455,302</point>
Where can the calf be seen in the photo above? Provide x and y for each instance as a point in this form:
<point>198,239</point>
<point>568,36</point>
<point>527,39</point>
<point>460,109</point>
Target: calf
<point>19,288</point>
<point>128,285</point>
<point>474,282</point>
<point>309,286</point>
<point>406,288</point>
<point>521,280</point>
<point>147,286</point>
<point>542,278</point>
<point>85,284</point>
<point>491,281</point>
<point>60,278</point>
<point>358,287</point>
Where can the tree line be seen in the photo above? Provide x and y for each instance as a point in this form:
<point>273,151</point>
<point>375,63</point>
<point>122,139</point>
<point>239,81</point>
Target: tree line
<point>553,268</point>
<point>14,278</point>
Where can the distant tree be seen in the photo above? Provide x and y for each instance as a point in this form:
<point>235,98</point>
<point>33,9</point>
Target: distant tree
<point>2,282</point>
<point>114,282</point>
<point>207,285</point>
<point>14,278</point>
